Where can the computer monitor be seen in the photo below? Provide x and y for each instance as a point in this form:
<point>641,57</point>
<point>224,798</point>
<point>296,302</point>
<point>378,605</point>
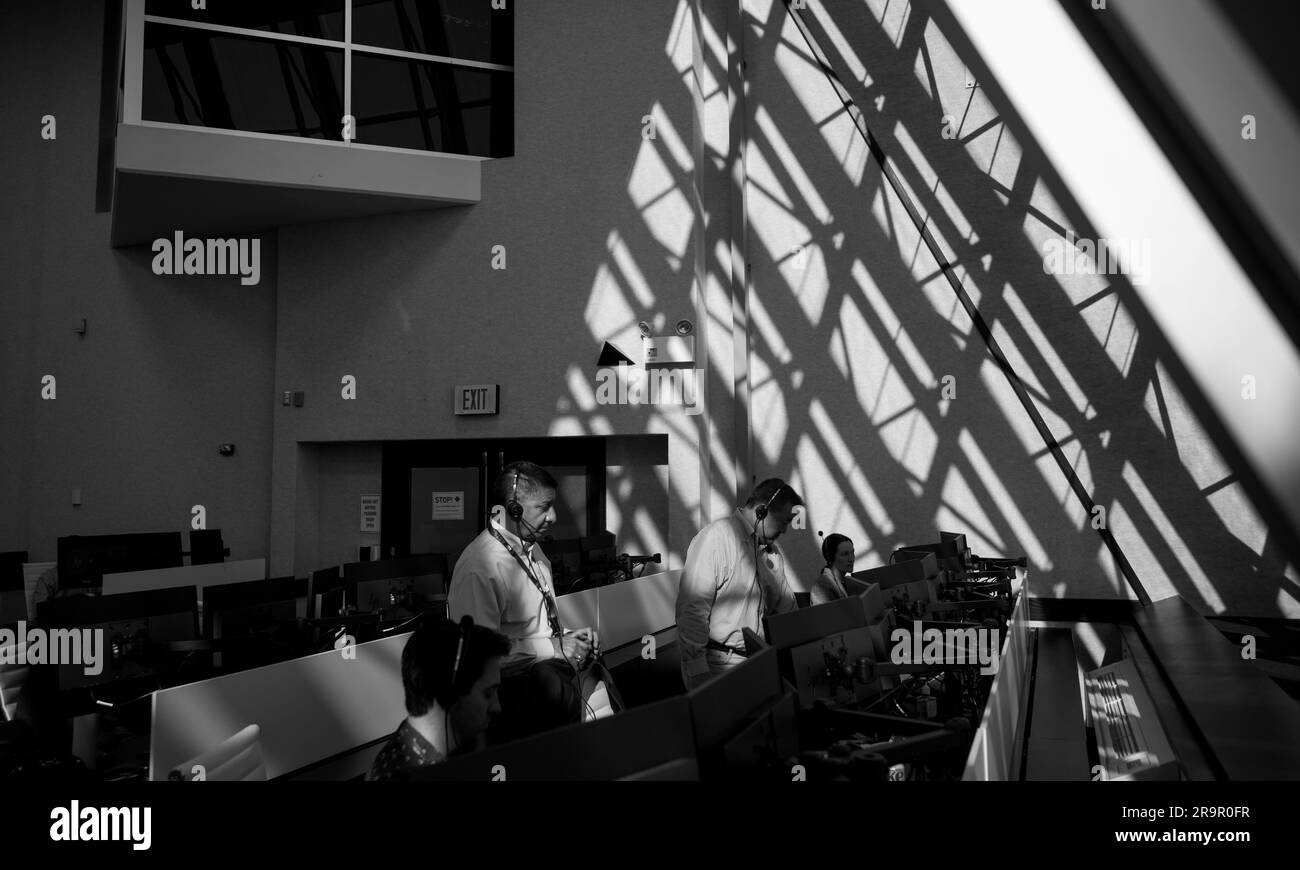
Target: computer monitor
<point>724,706</point>
<point>251,607</point>
<point>256,621</point>
<point>599,551</point>
<point>85,559</point>
<point>820,647</point>
<point>133,629</point>
<point>206,547</point>
<point>398,588</point>
<point>917,567</point>
<point>328,594</point>
<point>566,561</point>
<point>13,596</point>
<point>650,742</point>
<point>951,550</point>
<point>768,746</point>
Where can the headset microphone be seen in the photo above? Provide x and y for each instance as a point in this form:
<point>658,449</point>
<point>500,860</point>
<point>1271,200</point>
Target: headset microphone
<point>466,623</point>
<point>514,509</point>
<point>760,512</point>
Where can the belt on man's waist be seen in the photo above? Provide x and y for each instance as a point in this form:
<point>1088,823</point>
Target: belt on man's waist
<point>722,647</point>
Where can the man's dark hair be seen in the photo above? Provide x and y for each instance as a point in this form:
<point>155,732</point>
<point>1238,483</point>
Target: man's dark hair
<point>532,477</point>
<point>785,498</point>
<point>430,656</point>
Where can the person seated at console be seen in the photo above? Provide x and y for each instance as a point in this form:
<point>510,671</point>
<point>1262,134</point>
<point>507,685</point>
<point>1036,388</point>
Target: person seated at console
<point>450,674</point>
<point>837,552</point>
<point>502,580</point>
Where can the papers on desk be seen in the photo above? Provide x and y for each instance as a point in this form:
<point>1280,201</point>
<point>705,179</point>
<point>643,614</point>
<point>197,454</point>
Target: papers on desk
<point>39,578</point>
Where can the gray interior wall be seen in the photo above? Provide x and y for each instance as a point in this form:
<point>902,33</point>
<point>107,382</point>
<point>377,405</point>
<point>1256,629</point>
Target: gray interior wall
<point>870,323</point>
<point>169,367</point>
<point>411,306</point>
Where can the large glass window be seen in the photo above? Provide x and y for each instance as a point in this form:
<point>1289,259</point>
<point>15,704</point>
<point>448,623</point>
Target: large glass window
<point>416,104</point>
<point>319,19</point>
<point>433,75</point>
<point>237,83</point>
<point>466,29</point>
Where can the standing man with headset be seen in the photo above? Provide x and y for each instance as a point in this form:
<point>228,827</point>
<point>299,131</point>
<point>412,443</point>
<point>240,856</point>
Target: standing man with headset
<point>734,575</point>
<point>551,677</point>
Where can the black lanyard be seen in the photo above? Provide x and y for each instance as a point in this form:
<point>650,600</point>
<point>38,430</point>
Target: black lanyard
<point>552,614</point>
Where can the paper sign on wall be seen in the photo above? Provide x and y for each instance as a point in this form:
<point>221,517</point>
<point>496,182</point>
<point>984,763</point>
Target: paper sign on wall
<point>369,513</point>
<point>449,505</point>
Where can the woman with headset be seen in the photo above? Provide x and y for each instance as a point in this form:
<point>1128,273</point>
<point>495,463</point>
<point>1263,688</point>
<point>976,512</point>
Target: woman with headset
<point>837,552</point>
<point>450,674</point>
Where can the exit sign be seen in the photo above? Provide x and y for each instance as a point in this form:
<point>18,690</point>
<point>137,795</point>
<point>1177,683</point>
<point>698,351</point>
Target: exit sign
<point>476,399</point>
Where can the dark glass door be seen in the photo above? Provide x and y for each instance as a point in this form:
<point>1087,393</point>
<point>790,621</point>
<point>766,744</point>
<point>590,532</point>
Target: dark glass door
<point>443,489</point>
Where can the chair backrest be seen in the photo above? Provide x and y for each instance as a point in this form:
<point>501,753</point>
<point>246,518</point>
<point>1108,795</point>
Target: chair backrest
<point>12,678</point>
<point>237,759</point>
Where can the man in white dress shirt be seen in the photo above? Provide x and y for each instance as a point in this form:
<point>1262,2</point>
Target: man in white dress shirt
<point>503,582</point>
<point>734,575</point>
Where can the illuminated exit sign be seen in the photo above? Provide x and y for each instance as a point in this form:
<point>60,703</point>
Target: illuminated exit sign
<point>477,399</point>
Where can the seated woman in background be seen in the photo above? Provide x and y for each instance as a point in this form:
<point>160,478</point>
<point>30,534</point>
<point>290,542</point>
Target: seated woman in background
<point>837,550</point>
<point>450,674</point>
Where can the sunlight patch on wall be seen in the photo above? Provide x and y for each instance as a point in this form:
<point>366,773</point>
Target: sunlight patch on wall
<point>1078,459</point>
<point>879,389</point>
<point>680,35</point>
<point>767,398</point>
<point>939,293</point>
<point>1114,329</point>
<point>1048,352</point>
<point>823,107</point>
<point>911,440</point>
<point>859,485</point>
<point>655,193</point>
<point>1195,449</point>
<point>893,327</point>
<point>1150,573</point>
<point>1239,517</point>
<point>1174,540</point>
<point>608,315</point>
<point>773,342</point>
<point>1012,411</point>
<point>763,181</point>
<point>1020,527</point>
<point>893,16</point>
<point>827,22</point>
<point>791,163</point>
<point>960,510</point>
<point>829,511</point>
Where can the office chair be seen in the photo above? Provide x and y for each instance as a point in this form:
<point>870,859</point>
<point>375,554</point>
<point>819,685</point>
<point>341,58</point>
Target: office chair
<point>236,759</point>
<point>12,679</point>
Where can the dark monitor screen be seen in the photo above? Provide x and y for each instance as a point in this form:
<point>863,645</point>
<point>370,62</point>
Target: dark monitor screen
<point>238,609</point>
<point>723,705</point>
<point>765,747</point>
<point>130,628</point>
<point>785,630</point>
<point>13,596</point>
<point>11,571</point>
<point>400,587</point>
<point>328,593</point>
<point>85,559</point>
<point>386,569</point>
